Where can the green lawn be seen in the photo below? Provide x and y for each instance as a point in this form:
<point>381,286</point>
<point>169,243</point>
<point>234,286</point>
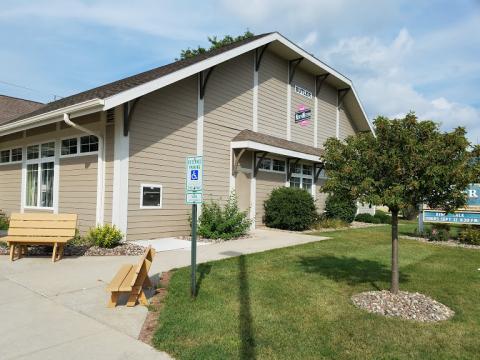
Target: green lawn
<point>294,303</point>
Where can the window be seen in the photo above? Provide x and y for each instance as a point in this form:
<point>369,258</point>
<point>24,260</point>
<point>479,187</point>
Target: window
<point>150,196</point>
<point>307,170</point>
<point>278,165</point>
<point>295,182</point>
<point>40,175</point>
<point>69,146</point>
<point>4,156</point>
<point>88,144</point>
<point>17,154</point>
<point>265,164</point>
<point>302,177</point>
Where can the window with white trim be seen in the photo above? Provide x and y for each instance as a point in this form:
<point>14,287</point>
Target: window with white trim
<point>4,156</point>
<point>69,146</point>
<point>81,145</point>
<point>265,164</point>
<point>11,156</point>
<point>40,169</point>
<point>17,155</point>
<point>88,144</point>
<point>275,165</point>
<point>302,177</point>
<point>151,196</point>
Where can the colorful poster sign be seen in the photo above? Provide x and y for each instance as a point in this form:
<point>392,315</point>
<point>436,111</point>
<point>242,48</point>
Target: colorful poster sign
<point>473,196</point>
<point>458,217</point>
<point>303,115</point>
<point>194,180</point>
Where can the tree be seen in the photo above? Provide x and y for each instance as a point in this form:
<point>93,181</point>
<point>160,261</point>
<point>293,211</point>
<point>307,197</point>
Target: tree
<point>406,163</point>
<point>215,44</point>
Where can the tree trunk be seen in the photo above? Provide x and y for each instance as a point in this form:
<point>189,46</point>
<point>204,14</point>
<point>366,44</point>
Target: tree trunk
<point>395,277</point>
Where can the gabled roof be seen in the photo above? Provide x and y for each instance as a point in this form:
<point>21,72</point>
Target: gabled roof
<point>116,93</point>
<point>12,107</point>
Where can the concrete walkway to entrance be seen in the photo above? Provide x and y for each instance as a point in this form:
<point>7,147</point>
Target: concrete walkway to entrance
<point>58,310</point>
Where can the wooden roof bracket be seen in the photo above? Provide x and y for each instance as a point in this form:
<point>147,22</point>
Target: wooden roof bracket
<point>289,168</point>
<point>320,79</point>
<point>257,163</point>
<point>203,78</point>
<point>317,169</point>
<point>236,160</point>
<point>128,111</point>
<point>341,95</point>
<point>292,67</point>
<point>259,55</point>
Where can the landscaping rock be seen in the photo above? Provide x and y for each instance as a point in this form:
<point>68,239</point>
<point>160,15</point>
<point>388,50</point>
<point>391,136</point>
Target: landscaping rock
<point>411,306</point>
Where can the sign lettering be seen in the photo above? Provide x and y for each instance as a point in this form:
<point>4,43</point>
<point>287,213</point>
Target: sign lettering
<point>303,92</point>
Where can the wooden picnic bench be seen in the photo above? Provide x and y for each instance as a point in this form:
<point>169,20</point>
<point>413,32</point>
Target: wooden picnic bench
<point>132,279</point>
<point>40,229</point>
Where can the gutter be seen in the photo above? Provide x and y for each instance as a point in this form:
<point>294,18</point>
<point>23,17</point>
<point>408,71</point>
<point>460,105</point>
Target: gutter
<point>100,166</point>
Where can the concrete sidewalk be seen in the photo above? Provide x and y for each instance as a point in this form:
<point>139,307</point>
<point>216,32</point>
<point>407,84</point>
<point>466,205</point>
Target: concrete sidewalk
<point>58,311</point>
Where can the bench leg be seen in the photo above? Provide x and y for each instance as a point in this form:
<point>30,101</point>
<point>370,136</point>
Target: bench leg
<point>60,251</point>
<point>147,282</point>
<point>113,300</point>
<point>12,252</point>
<point>143,298</point>
<point>54,254</point>
<point>132,299</point>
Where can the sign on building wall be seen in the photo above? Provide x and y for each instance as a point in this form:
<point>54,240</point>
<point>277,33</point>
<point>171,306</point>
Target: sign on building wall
<point>304,92</point>
<point>194,180</point>
<point>303,115</point>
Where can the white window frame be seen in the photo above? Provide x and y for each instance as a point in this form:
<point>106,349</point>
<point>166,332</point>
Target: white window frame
<point>39,161</point>
<point>10,162</point>
<point>78,153</point>
<point>142,186</point>
<point>302,176</point>
<point>271,165</point>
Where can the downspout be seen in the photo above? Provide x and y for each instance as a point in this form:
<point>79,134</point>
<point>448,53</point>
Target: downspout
<point>100,166</point>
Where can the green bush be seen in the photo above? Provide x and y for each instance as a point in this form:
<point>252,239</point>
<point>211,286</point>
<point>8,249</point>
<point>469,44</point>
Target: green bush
<point>340,207</point>
<point>3,244</point>
<point>290,209</point>
<point>327,223</point>
<point>438,232</point>
<point>470,235</point>
<point>4,222</point>
<point>409,212</point>
<point>223,223</point>
<point>105,236</point>
<point>383,217</point>
<point>367,218</point>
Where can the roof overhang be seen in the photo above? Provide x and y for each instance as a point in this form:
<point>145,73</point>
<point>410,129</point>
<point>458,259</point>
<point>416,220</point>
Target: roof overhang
<point>256,146</point>
<point>279,44</point>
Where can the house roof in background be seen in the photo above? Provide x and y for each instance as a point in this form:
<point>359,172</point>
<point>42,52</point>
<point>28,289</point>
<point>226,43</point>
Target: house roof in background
<point>12,107</point>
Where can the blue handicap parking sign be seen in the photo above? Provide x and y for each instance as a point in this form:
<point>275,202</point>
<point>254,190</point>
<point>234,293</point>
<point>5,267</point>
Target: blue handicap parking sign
<point>194,175</point>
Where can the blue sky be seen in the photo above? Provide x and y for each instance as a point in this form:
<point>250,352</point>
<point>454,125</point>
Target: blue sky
<point>402,55</point>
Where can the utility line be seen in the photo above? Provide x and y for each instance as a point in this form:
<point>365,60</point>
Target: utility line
<point>55,96</point>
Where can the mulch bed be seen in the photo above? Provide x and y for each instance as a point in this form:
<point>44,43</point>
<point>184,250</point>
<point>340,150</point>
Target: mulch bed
<point>125,249</point>
<point>451,243</point>
<point>411,306</point>
<point>154,308</point>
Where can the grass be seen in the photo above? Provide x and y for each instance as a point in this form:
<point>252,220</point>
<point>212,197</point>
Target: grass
<point>294,303</point>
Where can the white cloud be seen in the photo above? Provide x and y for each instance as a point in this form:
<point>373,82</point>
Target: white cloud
<point>309,40</point>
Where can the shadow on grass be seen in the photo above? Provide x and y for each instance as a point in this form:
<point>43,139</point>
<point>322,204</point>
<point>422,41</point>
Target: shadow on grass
<point>247,336</point>
<point>350,270</point>
<point>203,270</point>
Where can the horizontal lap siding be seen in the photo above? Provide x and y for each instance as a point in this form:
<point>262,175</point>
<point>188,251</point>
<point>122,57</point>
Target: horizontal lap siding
<point>272,95</point>
<point>302,134</point>
<point>327,113</point>
<point>228,110</point>
<point>163,133</point>
<point>78,189</point>
<point>321,197</point>
<point>346,126</point>
<point>10,188</point>
<point>109,157</point>
<point>266,182</point>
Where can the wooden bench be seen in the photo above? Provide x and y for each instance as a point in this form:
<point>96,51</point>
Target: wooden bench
<point>132,279</point>
<point>40,229</point>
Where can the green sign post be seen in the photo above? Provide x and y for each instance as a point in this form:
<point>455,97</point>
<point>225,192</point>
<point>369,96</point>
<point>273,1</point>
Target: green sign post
<point>194,196</point>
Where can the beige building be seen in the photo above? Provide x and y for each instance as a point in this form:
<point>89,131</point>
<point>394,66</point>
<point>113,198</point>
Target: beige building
<point>258,111</point>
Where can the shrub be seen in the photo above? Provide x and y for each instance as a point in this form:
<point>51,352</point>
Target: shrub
<point>227,223</point>
<point>340,207</point>
<point>470,235</point>
<point>4,222</point>
<point>383,217</point>
<point>105,236</point>
<point>327,223</point>
<point>290,209</point>
<point>367,218</point>
<point>438,232</point>
<point>409,212</point>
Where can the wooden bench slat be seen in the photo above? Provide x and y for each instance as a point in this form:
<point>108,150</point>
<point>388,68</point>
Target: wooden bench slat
<point>44,217</point>
<point>41,232</point>
<point>38,224</point>
<point>35,239</point>
<point>125,286</point>
<point>119,277</point>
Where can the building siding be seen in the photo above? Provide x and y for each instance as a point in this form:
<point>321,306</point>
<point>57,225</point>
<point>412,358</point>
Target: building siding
<point>302,132</point>
<point>266,182</point>
<point>345,124</point>
<point>78,189</point>
<point>272,95</point>
<point>228,110</point>
<point>10,188</point>
<point>327,113</point>
<point>162,133</point>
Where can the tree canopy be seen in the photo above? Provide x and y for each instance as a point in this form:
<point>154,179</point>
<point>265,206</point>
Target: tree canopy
<point>406,163</point>
<point>215,44</point>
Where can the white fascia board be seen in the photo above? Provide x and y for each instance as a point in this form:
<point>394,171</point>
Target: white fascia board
<point>253,145</point>
<point>76,110</point>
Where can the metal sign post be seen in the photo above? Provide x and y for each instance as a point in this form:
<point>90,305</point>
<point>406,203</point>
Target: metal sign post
<point>193,193</point>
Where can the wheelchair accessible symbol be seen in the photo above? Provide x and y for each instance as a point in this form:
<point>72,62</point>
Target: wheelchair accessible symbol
<point>194,175</point>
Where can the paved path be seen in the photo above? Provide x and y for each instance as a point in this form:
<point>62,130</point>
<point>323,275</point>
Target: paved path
<point>57,311</point>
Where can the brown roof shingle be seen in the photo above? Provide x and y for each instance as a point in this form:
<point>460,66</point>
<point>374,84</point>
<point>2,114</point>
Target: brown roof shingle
<point>12,107</point>
<point>249,135</point>
<point>119,86</point>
